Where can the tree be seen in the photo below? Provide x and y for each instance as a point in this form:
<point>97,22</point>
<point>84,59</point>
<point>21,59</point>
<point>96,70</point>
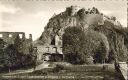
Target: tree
<point>18,44</point>
<point>71,43</point>
<point>3,45</point>
<point>10,57</point>
<point>14,57</point>
<point>116,36</point>
<point>78,45</point>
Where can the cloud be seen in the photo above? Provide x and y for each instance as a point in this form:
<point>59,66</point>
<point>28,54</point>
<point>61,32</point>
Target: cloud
<point>123,22</point>
<point>120,16</point>
<point>45,16</point>
<point>32,17</point>
<point>106,12</point>
<point>9,9</point>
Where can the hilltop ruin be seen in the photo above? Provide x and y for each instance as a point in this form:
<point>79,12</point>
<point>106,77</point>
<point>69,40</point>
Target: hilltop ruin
<point>86,19</point>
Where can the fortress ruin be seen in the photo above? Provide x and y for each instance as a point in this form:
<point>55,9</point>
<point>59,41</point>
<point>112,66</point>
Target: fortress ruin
<point>11,37</point>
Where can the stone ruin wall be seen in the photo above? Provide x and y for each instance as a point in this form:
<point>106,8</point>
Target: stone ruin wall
<point>9,38</point>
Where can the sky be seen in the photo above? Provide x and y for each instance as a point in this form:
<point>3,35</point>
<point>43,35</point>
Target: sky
<point>31,16</point>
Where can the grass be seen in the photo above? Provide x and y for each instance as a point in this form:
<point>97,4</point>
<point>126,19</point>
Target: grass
<point>71,73</point>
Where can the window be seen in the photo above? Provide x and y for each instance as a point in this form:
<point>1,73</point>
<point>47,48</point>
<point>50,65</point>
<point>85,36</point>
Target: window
<point>53,41</point>
<point>47,49</point>
<point>1,35</point>
<point>10,35</point>
<point>59,43</point>
<point>54,49</point>
<point>20,35</point>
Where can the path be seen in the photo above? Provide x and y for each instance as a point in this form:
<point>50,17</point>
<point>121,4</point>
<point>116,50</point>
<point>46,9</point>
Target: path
<point>41,66</point>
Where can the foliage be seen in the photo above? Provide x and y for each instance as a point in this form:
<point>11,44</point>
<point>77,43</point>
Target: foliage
<point>79,45</point>
<point>81,13</point>
<point>72,43</point>
<point>18,44</point>
<point>2,47</point>
<point>11,55</point>
<point>107,38</point>
<point>116,38</point>
<point>58,68</point>
<point>72,37</point>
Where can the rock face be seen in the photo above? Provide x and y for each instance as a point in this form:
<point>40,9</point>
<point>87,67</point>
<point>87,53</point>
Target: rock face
<point>71,17</point>
<point>90,19</point>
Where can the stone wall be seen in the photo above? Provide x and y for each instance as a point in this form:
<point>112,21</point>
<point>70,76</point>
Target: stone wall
<point>9,37</point>
<point>42,49</point>
<point>123,68</point>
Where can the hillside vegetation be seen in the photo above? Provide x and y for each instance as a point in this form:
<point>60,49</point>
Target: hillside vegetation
<point>102,34</point>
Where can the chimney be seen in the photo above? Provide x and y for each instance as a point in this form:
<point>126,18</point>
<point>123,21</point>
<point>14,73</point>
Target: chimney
<point>30,37</point>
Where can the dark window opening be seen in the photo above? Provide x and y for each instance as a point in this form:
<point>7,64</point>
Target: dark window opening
<point>53,41</point>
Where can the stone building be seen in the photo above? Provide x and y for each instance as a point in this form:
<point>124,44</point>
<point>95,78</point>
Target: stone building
<point>11,38</point>
<point>45,52</point>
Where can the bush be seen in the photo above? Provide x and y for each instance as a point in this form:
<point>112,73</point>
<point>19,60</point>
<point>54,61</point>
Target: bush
<point>39,72</point>
<point>58,68</point>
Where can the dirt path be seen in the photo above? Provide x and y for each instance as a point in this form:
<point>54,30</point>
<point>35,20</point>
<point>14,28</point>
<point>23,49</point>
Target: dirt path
<point>39,67</point>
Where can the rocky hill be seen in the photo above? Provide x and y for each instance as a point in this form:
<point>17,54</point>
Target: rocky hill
<point>90,19</point>
<point>73,16</point>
